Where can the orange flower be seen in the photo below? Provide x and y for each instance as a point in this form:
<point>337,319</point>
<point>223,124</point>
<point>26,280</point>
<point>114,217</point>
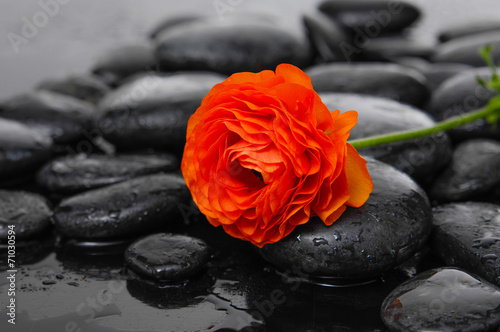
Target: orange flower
<point>263,153</point>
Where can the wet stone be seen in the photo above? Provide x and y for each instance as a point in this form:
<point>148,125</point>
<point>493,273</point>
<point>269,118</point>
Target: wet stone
<point>462,94</point>
<point>167,257</point>
<point>77,173</point>
<point>173,21</point>
<point>466,49</point>
<point>443,299</point>
<point>474,170</point>
<point>437,73</point>
<point>326,36</point>
<point>62,117</point>
<point>467,235</point>
<point>370,17</point>
<point>242,45</point>
<point>390,48</point>
<point>28,212</point>
<point>364,242</point>
<point>124,209</point>
<point>22,149</point>
<point>421,158</point>
<point>153,111</point>
<point>462,28</point>
<point>122,61</point>
<point>86,87</point>
<point>377,79</point>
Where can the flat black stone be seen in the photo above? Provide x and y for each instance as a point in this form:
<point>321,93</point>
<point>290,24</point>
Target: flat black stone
<point>466,49</point>
<point>467,235</point>
<point>22,149</point>
<point>364,242</point>
<point>173,21</point>
<point>62,117</point>
<point>326,36</point>
<point>153,111</point>
<point>389,16</point>
<point>167,257</point>
<point>461,28</point>
<point>124,209</point>
<point>421,158</point>
<point>437,73</point>
<point>28,212</point>
<point>122,61</point>
<point>377,79</point>
<point>461,94</point>
<point>474,170</point>
<point>73,174</point>
<point>443,299</point>
<point>86,87</point>
<point>390,48</point>
<point>229,46</point>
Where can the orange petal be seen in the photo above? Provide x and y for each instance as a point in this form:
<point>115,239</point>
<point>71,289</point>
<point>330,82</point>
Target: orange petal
<point>334,216</point>
<point>358,179</point>
<point>292,74</point>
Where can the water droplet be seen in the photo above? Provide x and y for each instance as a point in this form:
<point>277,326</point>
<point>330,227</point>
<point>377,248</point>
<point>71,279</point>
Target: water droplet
<point>320,241</point>
<point>485,242</point>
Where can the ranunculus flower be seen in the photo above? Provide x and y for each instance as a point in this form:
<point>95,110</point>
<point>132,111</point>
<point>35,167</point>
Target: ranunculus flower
<point>263,154</point>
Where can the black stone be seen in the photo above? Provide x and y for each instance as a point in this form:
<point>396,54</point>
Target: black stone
<point>22,149</point>
<point>326,37</point>
<point>437,73</point>
<point>467,235</point>
<point>167,257</point>
<point>86,87</point>
<point>443,299</point>
<point>474,170</point>
<point>421,158</point>
<point>62,117</point>
<point>377,79</point>
<point>124,209</point>
<point>461,94</point>
<point>171,22</point>
<point>77,173</point>
<point>122,61</point>
<point>229,46</point>
<point>364,242</point>
<point>153,111</point>
<point>29,214</point>
<point>390,48</point>
<point>372,17</point>
<point>461,28</point>
<point>466,49</point>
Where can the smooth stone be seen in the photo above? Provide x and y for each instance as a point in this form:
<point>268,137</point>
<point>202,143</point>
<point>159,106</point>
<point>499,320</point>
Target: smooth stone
<point>22,149</point>
<point>466,49</point>
<point>461,28</point>
<point>364,242</point>
<point>171,22</point>
<point>373,17</point>
<point>443,299</point>
<point>420,158</point>
<point>437,73</point>
<point>62,117</point>
<point>377,79</point>
<point>86,87</point>
<point>153,111</point>
<point>474,169</point>
<point>28,212</point>
<point>77,173</point>
<point>389,48</point>
<point>467,235</point>
<point>122,61</point>
<point>124,209</point>
<point>167,257</point>
<point>326,36</point>
<point>461,94</point>
<point>242,45</point>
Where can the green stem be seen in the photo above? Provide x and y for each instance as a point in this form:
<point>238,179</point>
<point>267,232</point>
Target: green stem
<point>451,123</point>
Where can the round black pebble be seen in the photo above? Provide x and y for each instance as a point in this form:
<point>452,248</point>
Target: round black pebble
<point>72,174</point>
<point>167,257</point>
<point>443,299</point>
<point>29,214</point>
